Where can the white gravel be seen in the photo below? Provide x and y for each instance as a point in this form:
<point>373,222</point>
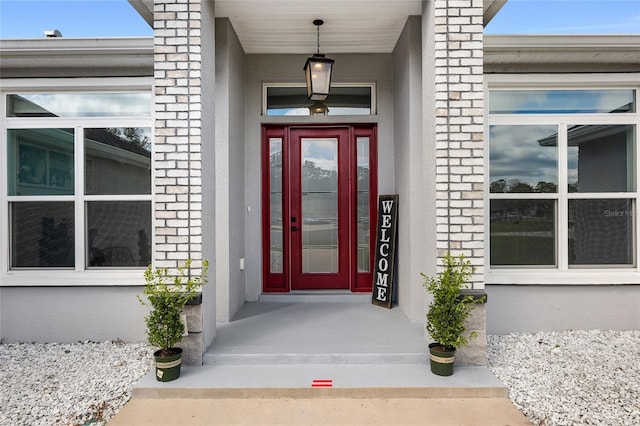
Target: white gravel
<point>571,378</point>
<point>568,378</point>
<point>68,384</point>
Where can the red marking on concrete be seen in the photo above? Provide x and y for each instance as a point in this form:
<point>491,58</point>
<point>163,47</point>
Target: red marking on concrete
<point>322,383</point>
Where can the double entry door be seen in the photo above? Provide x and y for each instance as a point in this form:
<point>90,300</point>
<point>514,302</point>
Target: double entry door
<point>318,197</point>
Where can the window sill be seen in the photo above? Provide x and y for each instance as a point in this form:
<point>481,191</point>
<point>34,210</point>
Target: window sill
<point>67,278</point>
<point>570,277</point>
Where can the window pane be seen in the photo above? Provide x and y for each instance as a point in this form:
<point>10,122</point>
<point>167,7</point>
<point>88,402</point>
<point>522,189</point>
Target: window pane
<point>79,105</point>
<point>319,205</point>
<point>561,101</point>
<point>355,100</point>
<point>601,158</point>
<point>523,232</point>
<point>364,231</point>
<point>601,232</point>
<point>276,261</point>
<point>117,161</point>
<point>42,234</point>
<point>40,161</point>
<point>523,159</point>
<point>119,233</point>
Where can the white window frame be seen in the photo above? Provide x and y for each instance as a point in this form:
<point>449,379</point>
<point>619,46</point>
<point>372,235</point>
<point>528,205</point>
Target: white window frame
<point>80,275</point>
<point>562,274</point>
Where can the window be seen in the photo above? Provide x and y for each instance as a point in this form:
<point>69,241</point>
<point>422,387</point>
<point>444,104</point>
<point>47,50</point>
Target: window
<point>562,178</point>
<point>291,100</point>
<point>78,173</point>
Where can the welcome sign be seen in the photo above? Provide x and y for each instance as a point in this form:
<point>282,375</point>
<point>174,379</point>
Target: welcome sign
<point>386,236</point>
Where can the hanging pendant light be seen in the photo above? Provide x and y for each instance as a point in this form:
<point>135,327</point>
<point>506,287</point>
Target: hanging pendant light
<point>317,70</point>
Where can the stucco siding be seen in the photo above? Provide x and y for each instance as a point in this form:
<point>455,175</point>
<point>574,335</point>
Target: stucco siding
<point>71,314</point>
<point>530,308</point>
<point>414,174</point>
<point>229,176</point>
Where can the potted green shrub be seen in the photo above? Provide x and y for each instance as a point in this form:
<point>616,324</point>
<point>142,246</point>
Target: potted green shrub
<point>167,295</point>
<point>448,312</point>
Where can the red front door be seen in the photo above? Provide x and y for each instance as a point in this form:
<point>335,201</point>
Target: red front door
<point>317,186</point>
<point>319,209</point>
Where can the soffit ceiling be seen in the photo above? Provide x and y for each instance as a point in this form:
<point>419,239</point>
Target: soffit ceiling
<point>285,26</point>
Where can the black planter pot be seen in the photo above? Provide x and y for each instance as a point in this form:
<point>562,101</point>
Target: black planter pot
<point>168,364</point>
<point>441,360</point>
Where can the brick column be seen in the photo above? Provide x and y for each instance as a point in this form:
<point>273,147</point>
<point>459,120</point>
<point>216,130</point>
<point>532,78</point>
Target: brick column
<point>460,131</point>
<point>177,160</point>
<point>177,145</point>
<point>459,128</point>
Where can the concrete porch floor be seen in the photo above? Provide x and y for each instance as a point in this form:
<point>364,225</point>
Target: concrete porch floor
<point>263,364</point>
<point>279,348</point>
<point>294,332</point>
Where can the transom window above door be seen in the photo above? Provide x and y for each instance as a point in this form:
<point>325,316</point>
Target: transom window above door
<point>290,99</point>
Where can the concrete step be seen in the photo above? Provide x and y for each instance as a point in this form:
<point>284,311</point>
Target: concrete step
<point>336,380</point>
<point>320,411</point>
<point>315,358</point>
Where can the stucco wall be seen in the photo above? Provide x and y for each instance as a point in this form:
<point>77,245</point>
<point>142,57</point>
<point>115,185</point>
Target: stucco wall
<point>414,174</point>
<point>229,176</point>
<point>71,314</point>
<point>208,173</point>
<point>530,308</point>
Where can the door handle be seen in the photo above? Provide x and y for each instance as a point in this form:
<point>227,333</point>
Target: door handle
<point>294,228</point>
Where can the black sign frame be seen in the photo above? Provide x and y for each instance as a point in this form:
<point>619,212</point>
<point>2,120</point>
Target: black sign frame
<point>385,258</point>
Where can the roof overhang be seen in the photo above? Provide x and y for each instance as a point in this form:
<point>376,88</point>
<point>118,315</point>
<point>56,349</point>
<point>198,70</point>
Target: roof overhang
<point>71,57</point>
<point>76,57</point>
<point>284,26</point>
<point>561,53</point>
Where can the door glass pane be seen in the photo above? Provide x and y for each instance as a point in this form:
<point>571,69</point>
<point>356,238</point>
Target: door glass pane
<point>275,197</point>
<point>601,158</point>
<point>40,161</point>
<point>319,205</point>
<point>42,234</point>
<point>117,161</point>
<point>363,204</point>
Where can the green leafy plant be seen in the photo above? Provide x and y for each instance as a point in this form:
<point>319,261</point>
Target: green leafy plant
<point>449,310</point>
<point>167,295</point>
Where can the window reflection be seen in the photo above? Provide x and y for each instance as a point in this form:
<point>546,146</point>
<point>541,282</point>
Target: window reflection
<point>276,261</point>
<point>363,173</point>
<point>292,100</point>
<point>119,233</point>
<point>42,234</point>
<point>523,159</point>
<point>319,205</point>
<point>117,161</point>
<point>523,232</point>
<point>561,101</point>
<point>601,158</point>
<point>40,161</point>
<point>79,105</point>
<point>601,232</point>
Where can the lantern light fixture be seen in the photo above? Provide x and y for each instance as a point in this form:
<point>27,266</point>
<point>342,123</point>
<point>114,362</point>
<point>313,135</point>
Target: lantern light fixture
<point>317,71</point>
<point>318,108</point>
